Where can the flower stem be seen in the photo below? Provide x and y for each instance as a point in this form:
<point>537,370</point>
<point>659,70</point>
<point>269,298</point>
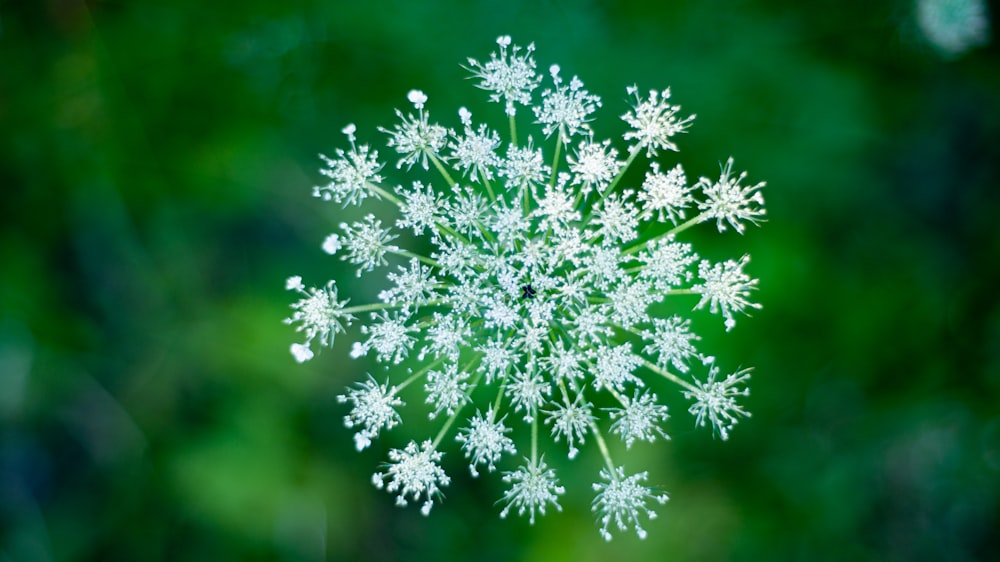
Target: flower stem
<point>632,153</point>
<point>603,447</point>
<point>382,192</point>
<point>672,232</point>
<point>555,158</point>
<point>408,254</point>
<point>418,374</point>
<point>444,172</point>
<point>668,375</point>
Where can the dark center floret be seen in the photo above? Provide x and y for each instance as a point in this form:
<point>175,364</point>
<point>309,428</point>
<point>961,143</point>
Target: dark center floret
<point>527,292</point>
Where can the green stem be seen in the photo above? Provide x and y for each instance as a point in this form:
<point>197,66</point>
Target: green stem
<point>408,254</point>
<point>489,187</point>
<point>628,162</point>
<point>444,172</point>
<point>513,131</point>
<point>378,189</point>
<point>668,375</point>
<point>374,306</point>
<point>534,440</point>
<point>672,232</point>
<point>555,159</point>
<point>603,447</point>
<point>418,374</point>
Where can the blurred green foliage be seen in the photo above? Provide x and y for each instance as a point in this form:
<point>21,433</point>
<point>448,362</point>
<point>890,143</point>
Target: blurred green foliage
<point>156,163</point>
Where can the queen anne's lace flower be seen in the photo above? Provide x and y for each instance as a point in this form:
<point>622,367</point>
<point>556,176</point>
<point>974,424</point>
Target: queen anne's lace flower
<point>374,409</point>
<point>533,486</point>
<point>414,472</point>
<point>623,499</point>
<point>715,401</point>
<point>551,293</point>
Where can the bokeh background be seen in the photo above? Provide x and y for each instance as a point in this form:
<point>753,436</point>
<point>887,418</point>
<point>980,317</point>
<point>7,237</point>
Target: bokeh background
<point>156,165</point>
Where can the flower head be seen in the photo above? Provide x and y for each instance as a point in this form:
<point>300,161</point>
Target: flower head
<point>622,499</point>
<point>509,75</point>
<point>532,487</point>
<point>715,401</point>
<point>528,279</point>
<point>413,472</point>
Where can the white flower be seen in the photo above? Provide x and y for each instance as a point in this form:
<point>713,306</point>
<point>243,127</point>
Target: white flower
<point>671,341</point>
<point>616,219</point>
<point>415,137</point>
<point>654,121</point>
<point>614,367</point>
<point>725,288</point>
<point>623,499</point>
<point>373,409</point>
<point>639,418</point>
<point>319,314</point>
<point>666,195</point>
<point>727,200</point>
<point>301,352</point>
<point>352,175</point>
<point>367,243</point>
<point>536,284</point>
<point>414,286</point>
<point>528,391</point>
<point>532,487</point>
<point>331,244</point>
<point>475,150</point>
<point>294,283</point>
<point>595,165</point>
<point>566,108</point>
<point>715,401</point>
<point>667,263</point>
<point>572,421</point>
<point>523,167</point>
<point>510,75</point>
<point>485,440</point>
<point>415,473</point>
<point>446,390</point>
<point>389,336</point>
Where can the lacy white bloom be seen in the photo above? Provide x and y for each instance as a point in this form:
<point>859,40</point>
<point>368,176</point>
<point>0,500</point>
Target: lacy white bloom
<point>319,314</point>
<point>509,75</point>
<point>413,472</point>
<point>594,166</point>
<point>532,282</point>
<point>415,137</point>
<point>623,499</point>
<point>566,108</point>
<point>671,342</point>
<point>475,150</point>
<point>532,487</point>
<point>727,200</point>
<point>352,174</point>
<point>725,288</point>
<point>572,421</point>
<point>639,418</point>
<point>374,409</point>
<point>666,195</point>
<point>654,121</point>
<point>715,401</point>
<point>485,440</point>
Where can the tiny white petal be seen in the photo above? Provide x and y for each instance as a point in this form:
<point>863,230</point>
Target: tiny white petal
<point>302,353</point>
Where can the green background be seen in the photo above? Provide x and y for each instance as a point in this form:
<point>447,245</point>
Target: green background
<point>156,165</point>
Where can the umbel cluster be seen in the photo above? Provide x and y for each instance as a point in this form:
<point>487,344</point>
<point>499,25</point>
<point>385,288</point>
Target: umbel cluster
<point>556,295</point>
